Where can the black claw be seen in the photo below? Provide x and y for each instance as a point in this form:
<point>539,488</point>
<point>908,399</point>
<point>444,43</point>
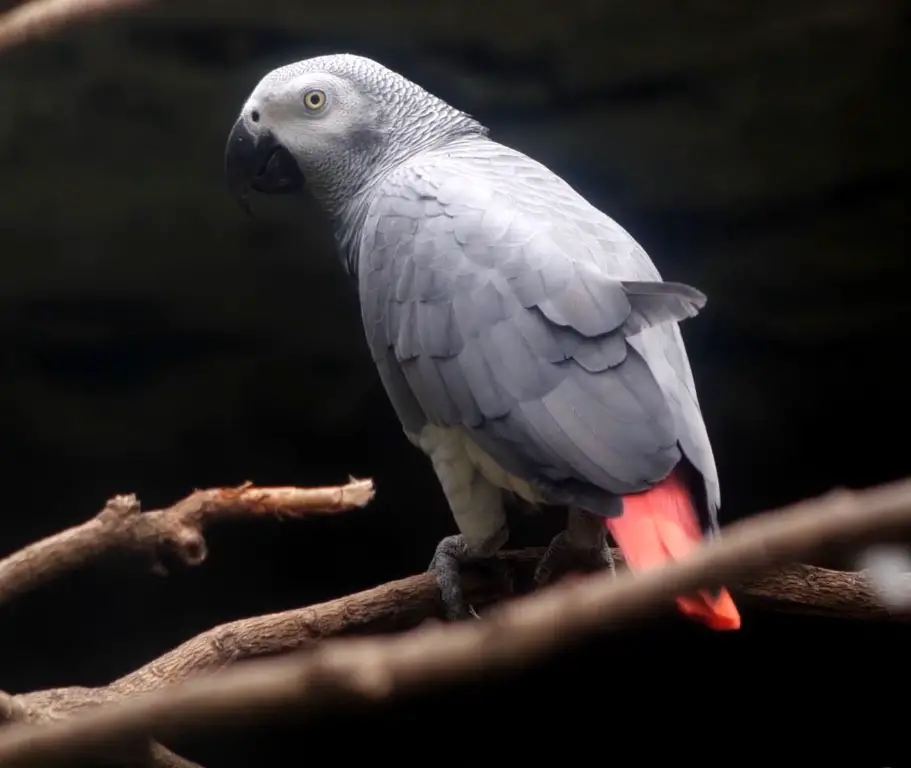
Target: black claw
<point>562,557</point>
<point>447,562</point>
<point>450,558</point>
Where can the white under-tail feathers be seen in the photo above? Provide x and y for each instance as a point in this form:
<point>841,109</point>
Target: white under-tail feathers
<point>889,569</point>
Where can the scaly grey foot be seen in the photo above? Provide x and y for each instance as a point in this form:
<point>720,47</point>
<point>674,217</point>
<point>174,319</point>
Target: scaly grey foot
<point>450,557</point>
<point>563,556</point>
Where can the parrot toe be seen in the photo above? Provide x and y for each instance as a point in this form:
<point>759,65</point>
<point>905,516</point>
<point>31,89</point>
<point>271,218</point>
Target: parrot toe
<point>450,558</point>
<point>563,557</point>
<point>446,565</point>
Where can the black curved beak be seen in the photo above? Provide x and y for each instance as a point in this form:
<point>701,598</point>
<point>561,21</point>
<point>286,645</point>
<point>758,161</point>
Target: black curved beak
<point>259,162</point>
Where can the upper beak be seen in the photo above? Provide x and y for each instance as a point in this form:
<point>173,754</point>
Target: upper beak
<point>258,161</point>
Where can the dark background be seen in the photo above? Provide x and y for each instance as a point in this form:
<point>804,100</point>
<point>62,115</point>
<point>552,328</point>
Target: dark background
<point>155,340</point>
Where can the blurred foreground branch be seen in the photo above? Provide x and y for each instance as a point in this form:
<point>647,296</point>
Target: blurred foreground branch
<point>159,698</point>
<point>36,19</point>
<point>404,604</point>
<point>177,530</point>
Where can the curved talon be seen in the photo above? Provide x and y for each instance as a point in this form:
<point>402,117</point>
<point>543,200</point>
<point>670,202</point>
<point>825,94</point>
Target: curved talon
<point>450,557</point>
<point>446,564</point>
<point>562,556</point>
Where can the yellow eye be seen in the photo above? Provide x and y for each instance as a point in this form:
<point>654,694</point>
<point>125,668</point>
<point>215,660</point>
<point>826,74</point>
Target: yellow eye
<point>314,100</point>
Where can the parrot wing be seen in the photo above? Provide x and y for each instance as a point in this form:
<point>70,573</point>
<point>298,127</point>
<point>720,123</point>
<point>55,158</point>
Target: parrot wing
<point>490,302</point>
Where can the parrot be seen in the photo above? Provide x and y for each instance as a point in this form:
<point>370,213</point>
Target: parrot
<point>526,341</point>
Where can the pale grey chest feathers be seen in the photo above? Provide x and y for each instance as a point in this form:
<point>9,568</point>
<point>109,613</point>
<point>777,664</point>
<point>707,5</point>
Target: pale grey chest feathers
<point>473,483</point>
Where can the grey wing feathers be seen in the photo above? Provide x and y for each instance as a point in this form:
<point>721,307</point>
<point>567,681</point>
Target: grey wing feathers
<point>482,315</point>
<point>655,303</point>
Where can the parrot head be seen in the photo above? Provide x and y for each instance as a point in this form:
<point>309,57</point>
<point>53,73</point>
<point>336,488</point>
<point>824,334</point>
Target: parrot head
<point>334,123</point>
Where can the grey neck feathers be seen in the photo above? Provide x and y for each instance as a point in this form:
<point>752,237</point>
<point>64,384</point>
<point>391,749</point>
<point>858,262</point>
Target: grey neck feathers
<point>371,156</point>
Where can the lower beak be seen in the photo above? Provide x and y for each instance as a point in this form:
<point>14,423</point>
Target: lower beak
<point>258,161</point>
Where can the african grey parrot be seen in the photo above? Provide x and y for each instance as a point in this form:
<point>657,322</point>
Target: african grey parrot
<point>526,341</point>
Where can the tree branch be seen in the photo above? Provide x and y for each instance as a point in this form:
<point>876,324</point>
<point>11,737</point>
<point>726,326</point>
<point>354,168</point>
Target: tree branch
<point>38,19</point>
<point>177,530</point>
<point>404,604</point>
<point>345,672</point>
<point>162,757</point>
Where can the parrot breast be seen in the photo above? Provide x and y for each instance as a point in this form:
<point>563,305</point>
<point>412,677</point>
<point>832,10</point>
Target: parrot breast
<point>456,443</point>
<point>473,483</point>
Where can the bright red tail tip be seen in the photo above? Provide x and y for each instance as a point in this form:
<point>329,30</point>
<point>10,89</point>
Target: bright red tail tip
<point>716,613</point>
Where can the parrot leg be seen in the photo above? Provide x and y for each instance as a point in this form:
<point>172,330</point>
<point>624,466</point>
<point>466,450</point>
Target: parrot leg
<point>477,507</point>
<point>451,556</point>
<point>582,545</point>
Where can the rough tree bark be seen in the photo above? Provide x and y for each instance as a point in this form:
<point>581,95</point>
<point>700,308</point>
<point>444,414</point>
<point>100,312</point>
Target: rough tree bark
<point>172,693</point>
<point>122,527</point>
<point>404,604</point>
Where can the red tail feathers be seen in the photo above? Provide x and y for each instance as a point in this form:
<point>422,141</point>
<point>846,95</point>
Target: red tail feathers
<point>659,525</point>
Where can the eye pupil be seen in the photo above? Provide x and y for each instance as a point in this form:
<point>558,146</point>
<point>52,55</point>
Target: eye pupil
<point>314,99</point>
<point>254,115</point>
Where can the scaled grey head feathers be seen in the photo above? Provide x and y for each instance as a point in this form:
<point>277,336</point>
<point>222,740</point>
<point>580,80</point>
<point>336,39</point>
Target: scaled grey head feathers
<point>335,122</point>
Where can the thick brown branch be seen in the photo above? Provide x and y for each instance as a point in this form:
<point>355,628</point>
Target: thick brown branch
<point>813,591</point>
<point>41,18</point>
<point>402,605</point>
<point>516,633</point>
<point>47,706</point>
<point>121,525</point>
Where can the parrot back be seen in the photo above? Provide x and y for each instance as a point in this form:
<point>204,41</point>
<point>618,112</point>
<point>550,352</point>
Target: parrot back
<point>496,299</point>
